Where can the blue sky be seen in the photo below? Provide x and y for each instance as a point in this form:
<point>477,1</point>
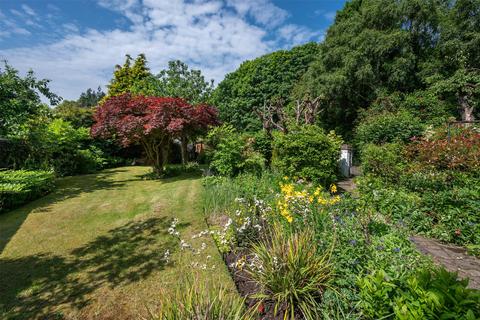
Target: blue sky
<point>76,43</point>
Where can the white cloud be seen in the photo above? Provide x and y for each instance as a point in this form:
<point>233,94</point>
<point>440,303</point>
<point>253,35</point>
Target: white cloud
<point>17,13</point>
<point>215,36</point>
<point>262,11</point>
<point>328,15</point>
<point>20,31</point>
<point>70,27</point>
<point>296,34</point>
<point>28,10</point>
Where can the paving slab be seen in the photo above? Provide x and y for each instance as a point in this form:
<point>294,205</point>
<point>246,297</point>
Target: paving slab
<point>453,258</point>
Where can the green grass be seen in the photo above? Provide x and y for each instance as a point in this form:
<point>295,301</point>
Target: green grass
<point>94,247</point>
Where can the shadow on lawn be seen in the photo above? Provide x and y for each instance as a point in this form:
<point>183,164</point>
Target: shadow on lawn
<point>34,287</point>
<point>68,187</point>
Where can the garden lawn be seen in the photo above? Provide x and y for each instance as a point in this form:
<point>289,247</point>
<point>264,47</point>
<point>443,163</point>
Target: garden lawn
<point>94,248</point>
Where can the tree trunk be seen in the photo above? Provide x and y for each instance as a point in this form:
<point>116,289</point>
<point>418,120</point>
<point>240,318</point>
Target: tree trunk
<point>466,110</point>
<point>184,151</point>
<point>164,155</point>
<point>154,155</point>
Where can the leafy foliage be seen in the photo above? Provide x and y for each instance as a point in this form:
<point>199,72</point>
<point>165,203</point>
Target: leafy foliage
<point>20,186</point>
<point>260,81</point>
<point>90,98</point>
<point>126,76</point>
<point>307,152</point>
<point>378,48</point>
<point>73,112</point>
<point>384,160</point>
<point>460,151</point>
<point>232,153</point>
<point>428,294</point>
<point>177,81</point>
<point>20,99</point>
<point>56,144</point>
<point>429,185</point>
<point>399,126</point>
<point>150,121</point>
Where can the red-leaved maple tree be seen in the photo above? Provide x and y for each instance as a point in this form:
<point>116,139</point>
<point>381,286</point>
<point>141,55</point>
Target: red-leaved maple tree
<point>152,122</point>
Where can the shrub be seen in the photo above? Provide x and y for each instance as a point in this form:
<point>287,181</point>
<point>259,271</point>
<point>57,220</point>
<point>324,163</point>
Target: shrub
<point>447,211</point>
<point>460,152</point>
<point>230,153</point>
<point>384,161</point>
<point>363,240</point>
<point>197,302</point>
<point>452,215</point>
<point>13,153</point>
<point>427,294</point>
<point>70,162</point>
<point>291,273</point>
<point>20,186</point>
<point>262,143</point>
<point>385,127</point>
<point>254,163</point>
<point>307,152</point>
<point>227,158</point>
<point>59,146</point>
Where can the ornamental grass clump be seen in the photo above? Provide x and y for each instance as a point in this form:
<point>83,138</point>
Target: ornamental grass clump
<point>196,301</point>
<point>291,273</point>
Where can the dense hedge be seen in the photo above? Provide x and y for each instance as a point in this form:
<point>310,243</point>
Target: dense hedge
<point>385,127</point>
<point>307,152</point>
<point>230,153</point>
<point>20,186</point>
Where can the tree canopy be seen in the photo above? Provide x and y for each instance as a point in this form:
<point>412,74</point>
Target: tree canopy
<point>259,81</point>
<point>20,98</point>
<point>376,48</point>
<point>177,81</point>
<point>125,77</point>
<point>152,122</point>
<point>79,112</point>
<point>90,97</point>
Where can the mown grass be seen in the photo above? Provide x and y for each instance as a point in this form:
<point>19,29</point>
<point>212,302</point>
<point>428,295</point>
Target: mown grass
<point>93,249</point>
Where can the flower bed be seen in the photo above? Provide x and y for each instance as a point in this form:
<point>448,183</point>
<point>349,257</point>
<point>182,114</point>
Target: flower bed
<point>278,235</point>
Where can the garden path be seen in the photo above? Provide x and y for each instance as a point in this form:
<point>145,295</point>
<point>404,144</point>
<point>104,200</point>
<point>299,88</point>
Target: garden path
<point>453,258</point>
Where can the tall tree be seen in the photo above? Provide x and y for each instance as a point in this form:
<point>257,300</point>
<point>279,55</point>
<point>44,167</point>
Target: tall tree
<point>20,98</point>
<point>177,81</point>
<point>90,97</point>
<point>374,47</point>
<point>125,77</point>
<point>261,81</point>
<point>150,121</point>
<point>456,75</point>
<point>380,48</point>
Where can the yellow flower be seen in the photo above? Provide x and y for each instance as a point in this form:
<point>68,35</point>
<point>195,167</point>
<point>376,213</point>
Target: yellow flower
<point>310,199</point>
<point>333,188</point>
<point>335,199</point>
<point>285,178</point>
<point>289,219</point>
<point>287,189</point>
<point>322,201</point>
<point>317,192</point>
